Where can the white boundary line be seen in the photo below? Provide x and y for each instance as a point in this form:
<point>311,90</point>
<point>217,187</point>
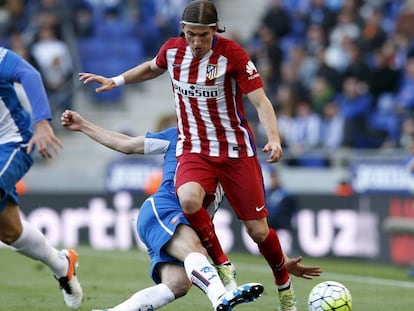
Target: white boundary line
<point>340,276</point>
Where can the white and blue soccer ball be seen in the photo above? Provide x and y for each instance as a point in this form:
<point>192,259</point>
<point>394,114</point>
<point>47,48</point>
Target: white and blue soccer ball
<point>330,296</point>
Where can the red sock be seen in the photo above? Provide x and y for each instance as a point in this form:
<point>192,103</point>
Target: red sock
<point>202,224</point>
<point>272,251</point>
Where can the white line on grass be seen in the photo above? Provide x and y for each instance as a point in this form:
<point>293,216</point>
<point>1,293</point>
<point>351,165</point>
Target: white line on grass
<point>340,276</point>
<point>369,280</point>
<point>142,256</point>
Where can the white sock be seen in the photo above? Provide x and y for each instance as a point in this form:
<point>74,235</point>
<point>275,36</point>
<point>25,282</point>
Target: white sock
<point>148,299</point>
<point>33,244</point>
<point>203,275</point>
<point>284,286</point>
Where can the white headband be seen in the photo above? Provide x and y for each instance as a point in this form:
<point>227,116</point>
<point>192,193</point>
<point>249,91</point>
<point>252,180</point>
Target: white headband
<point>198,24</point>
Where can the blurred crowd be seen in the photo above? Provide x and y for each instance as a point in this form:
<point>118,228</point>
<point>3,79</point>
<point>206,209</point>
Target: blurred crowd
<point>339,72</point>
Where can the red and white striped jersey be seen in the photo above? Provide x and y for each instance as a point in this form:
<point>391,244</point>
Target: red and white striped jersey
<point>208,95</point>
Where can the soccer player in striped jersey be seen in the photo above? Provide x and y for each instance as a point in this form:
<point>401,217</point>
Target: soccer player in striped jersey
<point>209,75</point>
<point>177,256</point>
<point>19,136</point>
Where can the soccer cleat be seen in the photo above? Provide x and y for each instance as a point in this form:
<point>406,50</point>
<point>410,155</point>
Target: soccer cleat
<point>227,274</point>
<point>287,299</point>
<point>242,294</point>
<point>69,284</point>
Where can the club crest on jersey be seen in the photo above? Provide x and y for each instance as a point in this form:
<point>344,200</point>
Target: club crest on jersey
<point>212,71</point>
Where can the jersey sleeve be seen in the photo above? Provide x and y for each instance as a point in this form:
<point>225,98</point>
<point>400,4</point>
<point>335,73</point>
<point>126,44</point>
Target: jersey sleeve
<point>245,71</point>
<point>158,143</point>
<point>161,58</point>
<point>13,68</point>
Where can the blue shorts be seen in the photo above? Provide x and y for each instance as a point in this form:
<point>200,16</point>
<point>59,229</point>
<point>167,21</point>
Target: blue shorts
<point>159,217</point>
<point>14,164</point>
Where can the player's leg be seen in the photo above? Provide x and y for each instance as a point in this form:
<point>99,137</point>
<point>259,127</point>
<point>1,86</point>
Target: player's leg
<point>25,238</point>
<point>186,246</point>
<point>193,181</point>
<point>203,225</point>
<point>174,284</point>
<point>270,248</point>
<point>248,202</point>
<point>169,239</point>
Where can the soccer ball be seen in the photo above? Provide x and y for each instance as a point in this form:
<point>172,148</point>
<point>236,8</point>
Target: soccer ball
<point>330,296</point>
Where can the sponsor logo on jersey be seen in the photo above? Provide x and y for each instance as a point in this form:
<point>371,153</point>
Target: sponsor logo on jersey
<point>195,90</point>
<point>251,70</point>
<point>211,71</point>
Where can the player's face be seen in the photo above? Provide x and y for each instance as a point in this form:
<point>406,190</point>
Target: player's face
<point>200,38</point>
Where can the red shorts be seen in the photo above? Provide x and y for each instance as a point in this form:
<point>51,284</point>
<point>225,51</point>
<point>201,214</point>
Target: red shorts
<point>241,179</point>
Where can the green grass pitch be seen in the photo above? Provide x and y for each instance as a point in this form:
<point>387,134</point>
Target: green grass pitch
<point>109,277</point>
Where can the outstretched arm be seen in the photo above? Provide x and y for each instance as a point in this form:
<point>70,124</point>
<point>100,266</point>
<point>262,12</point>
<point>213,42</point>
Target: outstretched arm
<point>73,121</point>
<point>145,71</point>
<point>296,268</point>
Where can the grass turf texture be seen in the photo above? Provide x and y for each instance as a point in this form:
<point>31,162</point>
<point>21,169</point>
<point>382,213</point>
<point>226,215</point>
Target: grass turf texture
<point>109,277</point>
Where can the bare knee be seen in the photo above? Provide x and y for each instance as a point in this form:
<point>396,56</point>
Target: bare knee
<point>191,197</point>
<point>9,235</point>
<point>10,224</point>
<point>179,287</point>
<point>175,278</point>
<point>258,230</point>
<point>189,204</point>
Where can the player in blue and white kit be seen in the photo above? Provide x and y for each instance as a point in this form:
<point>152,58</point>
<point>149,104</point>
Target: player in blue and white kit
<point>177,256</point>
<point>20,133</point>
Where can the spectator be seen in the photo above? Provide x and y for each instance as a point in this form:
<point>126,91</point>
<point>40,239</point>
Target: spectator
<point>328,72</point>
<point>321,92</point>
<point>373,35</point>
<point>306,64</point>
<point>404,101</point>
<point>400,49</point>
<point>404,23</point>
<point>290,76</point>
<point>344,32</point>
<point>303,137</point>
<point>276,18</point>
<point>318,13</point>
<point>267,55</point>
<point>285,106</point>
<point>355,103</point>
<point>345,27</point>
<point>356,67</point>
<point>332,128</point>
<point>15,18</point>
<point>53,57</point>
<point>315,39</point>
<point>83,22</point>
<point>385,75</point>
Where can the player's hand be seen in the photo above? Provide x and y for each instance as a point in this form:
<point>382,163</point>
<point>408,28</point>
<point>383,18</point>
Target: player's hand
<point>71,120</point>
<point>107,84</point>
<point>304,271</point>
<point>44,138</point>
<point>275,150</point>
